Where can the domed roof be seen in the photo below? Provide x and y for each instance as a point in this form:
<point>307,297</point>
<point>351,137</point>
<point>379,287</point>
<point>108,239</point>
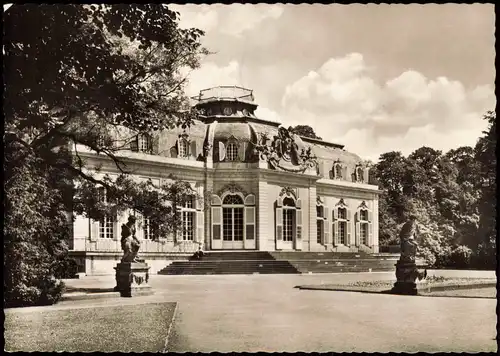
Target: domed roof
<point>239,130</point>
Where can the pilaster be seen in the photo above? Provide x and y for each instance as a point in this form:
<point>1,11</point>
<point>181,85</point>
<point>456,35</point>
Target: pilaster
<point>375,217</point>
<point>265,218</point>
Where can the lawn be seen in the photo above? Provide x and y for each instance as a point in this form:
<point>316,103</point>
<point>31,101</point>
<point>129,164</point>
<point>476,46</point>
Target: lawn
<point>128,328</point>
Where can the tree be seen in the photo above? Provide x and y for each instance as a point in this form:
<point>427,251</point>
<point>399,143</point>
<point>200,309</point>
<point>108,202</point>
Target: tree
<point>306,131</point>
<point>76,75</point>
<point>485,154</point>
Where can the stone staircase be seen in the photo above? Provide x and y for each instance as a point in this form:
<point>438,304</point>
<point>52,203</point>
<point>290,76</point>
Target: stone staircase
<point>281,262</point>
<point>337,262</point>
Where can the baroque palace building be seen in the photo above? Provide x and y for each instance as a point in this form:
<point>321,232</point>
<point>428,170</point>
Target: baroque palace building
<point>267,190</point>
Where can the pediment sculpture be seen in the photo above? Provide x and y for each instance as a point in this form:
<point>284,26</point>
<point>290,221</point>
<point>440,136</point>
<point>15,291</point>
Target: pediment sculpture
<point>283,152</point>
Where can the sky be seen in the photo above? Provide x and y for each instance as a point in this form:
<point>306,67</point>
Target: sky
<point>375,78</point>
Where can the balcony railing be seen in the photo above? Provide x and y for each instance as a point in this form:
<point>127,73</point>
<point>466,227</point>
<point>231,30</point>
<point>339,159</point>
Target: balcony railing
<point>224,92</point>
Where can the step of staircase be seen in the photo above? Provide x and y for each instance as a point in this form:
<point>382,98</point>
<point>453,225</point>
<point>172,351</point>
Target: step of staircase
<point>286,262</point>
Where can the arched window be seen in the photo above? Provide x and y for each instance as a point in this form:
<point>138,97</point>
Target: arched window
<point>232,218</point>
<point>144,143</point>
<point>232,151</point>
<point>183,147</point>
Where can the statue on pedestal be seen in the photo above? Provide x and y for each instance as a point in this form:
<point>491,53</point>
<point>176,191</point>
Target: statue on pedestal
<point>406,268</point>
<point>132,273</point>
<point>130,243</point>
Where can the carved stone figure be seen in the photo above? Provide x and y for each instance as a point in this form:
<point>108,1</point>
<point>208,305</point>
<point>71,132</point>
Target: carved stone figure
<point>130,243</point>
<point>407,271</point>
<point>408,235</point>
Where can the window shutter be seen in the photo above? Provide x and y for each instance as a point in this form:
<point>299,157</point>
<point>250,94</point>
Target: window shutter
<point>326,226</point>
<point>349,228</point>
<point>155,143</point>
<point>117,227</point>
<point>279,219</point>
<point>279,224</point>
<point>216,222</point>
<point>200,221</point>
<point>370,235</point>
<point>358,229</point>
<point>241,151</point>
<point>298,229</point>
<point>192,149</point>
<point>332,173</point>
<point>370,215</point>
<point>174,151</point>
<point>222,152</point>
<point>94,230</point>
<point>250,222</point>
<point>134,144</point>
<point>335,232</point>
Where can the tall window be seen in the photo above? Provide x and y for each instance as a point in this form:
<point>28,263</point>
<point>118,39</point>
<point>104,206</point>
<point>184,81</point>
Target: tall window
<point>106,223</point>
<point>188,215</point>
<point>144,143</point>
<point>183,148</point>
<point>148,231</point>
<point>288,219</point>
<point>232,218</point>
<point>319,223</point>
<point>342,226</point>
<point>338,171</point>
<point>363,227</point>
<point>106,229</point>
<point>232,151</point>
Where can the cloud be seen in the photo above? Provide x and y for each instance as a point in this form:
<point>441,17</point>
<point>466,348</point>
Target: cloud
<point>231,20</point>
<point>344,104</point>
<point>203,17</point>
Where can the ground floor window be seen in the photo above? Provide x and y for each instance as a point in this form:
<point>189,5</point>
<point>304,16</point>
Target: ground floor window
<point>363,233</point>
<point>106,227</point>
<point>288,215</point>
<point>342,229</point>
<point>319,231</point>
<point>188,225</point>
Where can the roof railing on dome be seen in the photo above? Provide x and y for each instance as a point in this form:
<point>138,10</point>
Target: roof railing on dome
<point>226,92</point>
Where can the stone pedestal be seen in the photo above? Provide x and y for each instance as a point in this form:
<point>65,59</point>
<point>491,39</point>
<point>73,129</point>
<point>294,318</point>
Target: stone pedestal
<point>407,274</point>
<point>132,278</point>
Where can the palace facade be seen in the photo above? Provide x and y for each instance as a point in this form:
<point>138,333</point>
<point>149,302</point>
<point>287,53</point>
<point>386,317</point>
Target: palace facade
<point>267,190</point>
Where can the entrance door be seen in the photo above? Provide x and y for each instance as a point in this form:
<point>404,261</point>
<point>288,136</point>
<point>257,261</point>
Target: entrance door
<point>232,233</point>
<point>233,223</point>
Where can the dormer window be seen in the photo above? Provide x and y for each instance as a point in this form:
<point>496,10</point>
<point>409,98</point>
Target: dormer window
<point>232,151</point>
<point>338,171</point>
<point>183,148</point>
<point>359,174</point>
<point>142,143</point>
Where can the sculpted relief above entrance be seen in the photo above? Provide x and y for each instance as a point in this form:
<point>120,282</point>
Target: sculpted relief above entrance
<point>285,151</point>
